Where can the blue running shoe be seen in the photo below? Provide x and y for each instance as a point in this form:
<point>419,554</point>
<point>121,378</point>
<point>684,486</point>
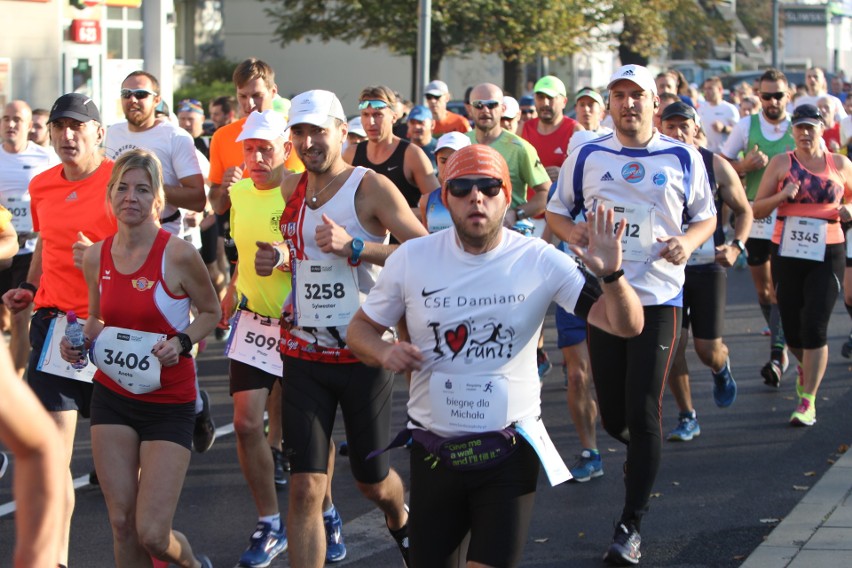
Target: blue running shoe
<point>544,364</point>
<point>846,350</point>
<point>265,545</point>
<point>687,428</point>
<point>724,386</point>
<point>335,549</point>
<point>587,466</point>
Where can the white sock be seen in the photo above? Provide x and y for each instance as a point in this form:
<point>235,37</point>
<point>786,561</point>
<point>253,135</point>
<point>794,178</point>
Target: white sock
<point>274,520</point>
<point>329,512</point>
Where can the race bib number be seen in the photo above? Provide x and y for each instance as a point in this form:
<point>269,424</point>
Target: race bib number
<point>254,341</point>
<point>22,219</point>
<point>469,403</point>
<point>705,254</point>
<point>763,228</point>
<point>638,238</point>
<point>804,238</point>
<point>51,361</point>
<point>124,355</point>
<point>326,292</point>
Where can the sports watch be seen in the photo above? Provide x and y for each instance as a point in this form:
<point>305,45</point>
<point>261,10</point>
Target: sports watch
<point>357,245</point>
<point>185,344</point>
<point>739,244</point>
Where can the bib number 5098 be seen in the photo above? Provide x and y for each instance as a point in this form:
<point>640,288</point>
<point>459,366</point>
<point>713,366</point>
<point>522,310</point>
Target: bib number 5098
<point>260,340</point>
<point>131,360</point>
<point>324,291</point>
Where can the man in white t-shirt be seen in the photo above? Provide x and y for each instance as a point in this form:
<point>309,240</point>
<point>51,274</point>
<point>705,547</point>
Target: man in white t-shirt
<point>718,116</point>
<point>20,161</point>
<point>184,182</point>
<point>816,87</point>
<point>474,328</point>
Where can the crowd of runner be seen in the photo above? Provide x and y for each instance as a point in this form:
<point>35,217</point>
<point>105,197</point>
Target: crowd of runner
<point>333,249</point>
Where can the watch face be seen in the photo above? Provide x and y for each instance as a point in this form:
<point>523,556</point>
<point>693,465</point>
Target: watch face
<point>357,245</point>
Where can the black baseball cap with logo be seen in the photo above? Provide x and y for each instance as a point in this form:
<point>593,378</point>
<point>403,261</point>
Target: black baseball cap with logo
<point>74,105</point>
<point>678,108</point>
<point>807,114</point>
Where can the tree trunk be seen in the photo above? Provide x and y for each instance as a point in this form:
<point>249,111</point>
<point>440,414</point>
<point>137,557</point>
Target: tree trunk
<point>513,77</point>
<point>625,52</point>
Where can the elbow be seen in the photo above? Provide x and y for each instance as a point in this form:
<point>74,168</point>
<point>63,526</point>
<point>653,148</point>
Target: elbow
<point>632,325</point>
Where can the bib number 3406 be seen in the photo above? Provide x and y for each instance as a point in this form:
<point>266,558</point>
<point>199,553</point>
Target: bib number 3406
<point>129,360</point>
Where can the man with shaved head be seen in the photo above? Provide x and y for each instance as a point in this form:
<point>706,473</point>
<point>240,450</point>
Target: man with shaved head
<point>20,161</point>
<point>525,168</point>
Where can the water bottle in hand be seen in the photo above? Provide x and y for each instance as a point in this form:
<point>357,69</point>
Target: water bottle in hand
<point>74,335</point>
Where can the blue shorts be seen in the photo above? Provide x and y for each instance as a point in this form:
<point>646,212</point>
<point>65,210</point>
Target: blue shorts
<point>570,329</point>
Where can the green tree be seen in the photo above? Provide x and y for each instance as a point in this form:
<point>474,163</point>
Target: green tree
<point>207,81</point>
<point>651,27</point>
<point>515,31</point>
<point>373,23</point>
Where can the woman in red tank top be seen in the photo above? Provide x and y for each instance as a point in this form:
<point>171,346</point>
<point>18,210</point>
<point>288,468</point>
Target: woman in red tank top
<point>141,282</point>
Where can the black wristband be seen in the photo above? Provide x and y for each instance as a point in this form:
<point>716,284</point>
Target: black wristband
<point>27,286</point>
<point>185,344</point>
<point>610,278</point>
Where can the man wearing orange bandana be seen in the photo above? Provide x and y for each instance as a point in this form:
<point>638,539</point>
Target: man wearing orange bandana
<point>474,407</point>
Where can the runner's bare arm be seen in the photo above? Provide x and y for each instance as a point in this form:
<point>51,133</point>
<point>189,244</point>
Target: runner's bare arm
<point>91,267</point>
<point>8,242</point>
<point>189,194</point>
<point>768,196</point>
<point>733,194</point>
<point>364,338</point>
<point>27,430</point>
<point>566,229</point>
<point>419,171</point>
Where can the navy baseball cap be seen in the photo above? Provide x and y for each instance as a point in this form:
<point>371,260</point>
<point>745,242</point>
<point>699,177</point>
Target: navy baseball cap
<point>74,105</point>
<point>678,108</point>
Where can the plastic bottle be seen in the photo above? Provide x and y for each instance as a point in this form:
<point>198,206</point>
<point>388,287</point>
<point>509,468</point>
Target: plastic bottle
<point>74,335</point>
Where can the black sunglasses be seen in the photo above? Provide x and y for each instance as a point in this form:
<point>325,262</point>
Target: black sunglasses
<point>461,187</point>
<point>770,96</point>
<point>528,111</point>
<point>139,94</point>
<point>432,97</point>
<point>490,104</point>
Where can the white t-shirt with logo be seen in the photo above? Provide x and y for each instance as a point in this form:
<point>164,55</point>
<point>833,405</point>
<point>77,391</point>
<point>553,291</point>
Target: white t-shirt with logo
<point>724,112</point>
<point>171,144</point>
<point>473,316</point>
<point>664,182</point>
<point>16,172</point>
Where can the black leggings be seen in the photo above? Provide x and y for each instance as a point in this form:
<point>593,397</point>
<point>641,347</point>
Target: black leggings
<point>807,291</point>
<point>630,378</point>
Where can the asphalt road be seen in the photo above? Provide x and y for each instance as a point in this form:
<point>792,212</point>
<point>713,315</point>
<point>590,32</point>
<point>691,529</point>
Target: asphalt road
<point>715,498</point>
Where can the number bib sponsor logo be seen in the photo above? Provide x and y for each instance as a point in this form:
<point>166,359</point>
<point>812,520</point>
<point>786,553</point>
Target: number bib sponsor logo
<point>326,292</point>
<point>705,254</point>
<point>763,228</point>
<point>804,238</point>
<point>638,238</point>
<point>254,341</point>
<point>469,403</point>
<point>22,219</point>
<point>124,355</point>
<point>50,360</point>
